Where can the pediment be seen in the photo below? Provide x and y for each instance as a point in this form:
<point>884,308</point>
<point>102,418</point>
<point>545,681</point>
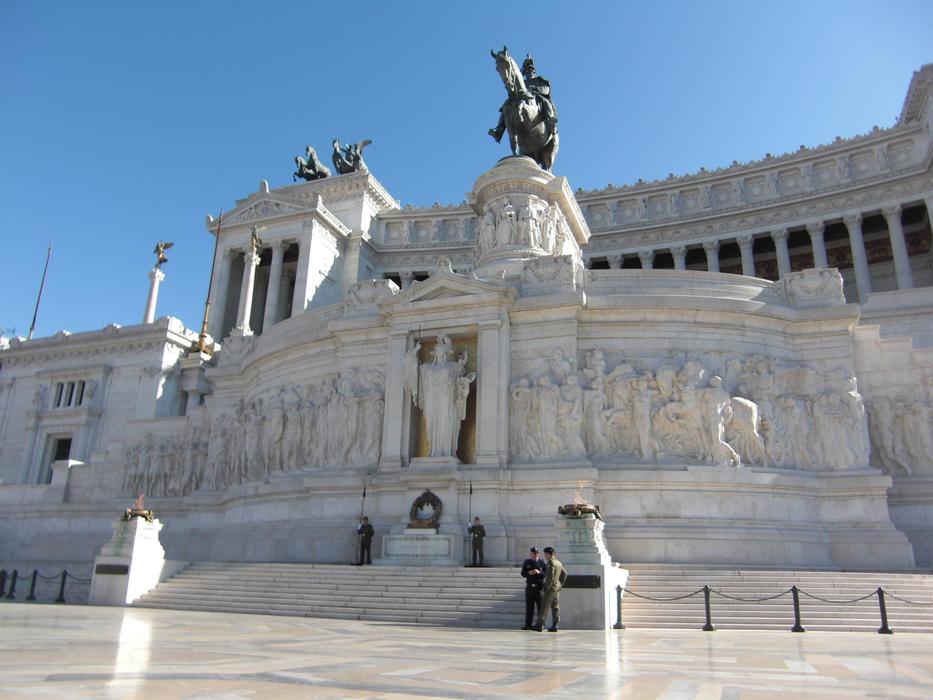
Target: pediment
<point>266,207</point>
<point>446,285</point>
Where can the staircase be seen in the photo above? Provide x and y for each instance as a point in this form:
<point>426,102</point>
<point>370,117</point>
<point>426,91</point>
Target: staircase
<point>671,581</point>
<point>477,597</point>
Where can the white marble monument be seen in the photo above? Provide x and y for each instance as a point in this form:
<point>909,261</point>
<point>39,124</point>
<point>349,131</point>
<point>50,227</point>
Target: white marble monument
<point>736,364</point>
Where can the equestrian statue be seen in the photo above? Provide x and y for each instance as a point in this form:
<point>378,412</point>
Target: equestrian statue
<point>528,113</point>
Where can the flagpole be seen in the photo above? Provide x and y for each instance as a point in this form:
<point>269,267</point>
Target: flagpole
<point>202,338</point>
<point>35,313</point>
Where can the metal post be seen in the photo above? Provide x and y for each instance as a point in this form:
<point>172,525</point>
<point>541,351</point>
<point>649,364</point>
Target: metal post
<point>884,629</point>
<point>797,626</point>
<point>618,625</point>
<point>708,627</point>
<point>61,588</point>
<point>2,581</point>
<point>32,585</point>
<point>12,585</point>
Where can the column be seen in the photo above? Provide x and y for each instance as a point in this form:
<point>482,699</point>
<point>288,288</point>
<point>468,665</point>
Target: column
<point>712,255</point>
<point>270,315</point>
<point>818,244</point>
<point>746,248</point>
<point>351,261</point>
<point>155,277</point>
<point>679,253</point>
<point>300,299</point>
<point>220,298</point>
<point>615,261</point>
<point>487,394</point>
<point>250,261</point>
<point>406,278</point>
<point>892,215</point>
<point>783,255</point>
<point>396,402</point>
<point>647,259</point>
<point>853,222</point>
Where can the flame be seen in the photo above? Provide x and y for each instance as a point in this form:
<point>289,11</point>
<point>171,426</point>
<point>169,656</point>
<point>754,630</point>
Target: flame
<point>578,494</point>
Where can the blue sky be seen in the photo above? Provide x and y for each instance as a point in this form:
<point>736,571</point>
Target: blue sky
<point>122,123</point>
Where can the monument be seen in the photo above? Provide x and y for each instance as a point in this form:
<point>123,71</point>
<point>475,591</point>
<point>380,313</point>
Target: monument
<point>734,364</point>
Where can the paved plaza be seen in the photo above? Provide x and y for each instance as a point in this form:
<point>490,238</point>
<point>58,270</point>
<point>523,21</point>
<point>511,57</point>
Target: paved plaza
<point>95,652</point>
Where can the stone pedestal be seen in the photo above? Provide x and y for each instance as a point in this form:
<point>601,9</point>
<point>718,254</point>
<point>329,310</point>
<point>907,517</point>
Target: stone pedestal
<point>525,213</point>
<point>421,547</point>
<point>129,565</point>
<point>588,600</point>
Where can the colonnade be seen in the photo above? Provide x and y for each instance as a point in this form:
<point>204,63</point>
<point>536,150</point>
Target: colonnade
<point>279,279</point>
<point>853,223</point>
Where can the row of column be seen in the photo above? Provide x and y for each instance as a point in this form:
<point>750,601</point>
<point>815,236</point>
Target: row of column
<point>248,284</point>
<point>853,223</point>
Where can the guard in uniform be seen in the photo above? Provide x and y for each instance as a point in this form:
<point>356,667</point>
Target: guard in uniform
<point>554,578</point>
<point>477,533</point>
<point>366,533</point>
<point>533,573</point>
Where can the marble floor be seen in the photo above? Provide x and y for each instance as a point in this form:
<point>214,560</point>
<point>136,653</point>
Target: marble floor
<point>93,652</point>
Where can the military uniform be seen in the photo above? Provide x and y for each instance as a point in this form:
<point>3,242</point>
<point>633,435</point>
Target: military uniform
<point>553,581</point>
<point>366,533</point>
<point>533,585</point>
<point>477,533</point>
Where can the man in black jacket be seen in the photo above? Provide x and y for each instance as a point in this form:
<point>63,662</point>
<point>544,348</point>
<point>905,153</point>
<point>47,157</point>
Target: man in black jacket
<point>365,532</point>
<point>533,570</point>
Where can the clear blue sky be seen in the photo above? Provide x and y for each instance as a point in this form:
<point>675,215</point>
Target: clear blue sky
<point>122,123</point>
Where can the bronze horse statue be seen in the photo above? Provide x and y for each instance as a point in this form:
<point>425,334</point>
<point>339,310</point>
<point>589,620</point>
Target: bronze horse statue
<point>522,116</point>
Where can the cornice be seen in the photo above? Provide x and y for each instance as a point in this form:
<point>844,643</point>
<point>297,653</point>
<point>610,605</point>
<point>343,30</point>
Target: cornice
<point>111,340</point>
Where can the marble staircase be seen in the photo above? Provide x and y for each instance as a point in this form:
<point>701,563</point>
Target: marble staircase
<point>480,597</point>
<point>672,581</point>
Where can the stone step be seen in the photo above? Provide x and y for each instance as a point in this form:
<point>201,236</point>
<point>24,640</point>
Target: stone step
<point>463,596</point>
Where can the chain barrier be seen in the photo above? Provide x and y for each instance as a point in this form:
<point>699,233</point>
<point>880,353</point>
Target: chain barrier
<point>14,577</point>
<point>904,600</point>
<point>752,600</point>
<point>663,600</point>
<point>879,593</point>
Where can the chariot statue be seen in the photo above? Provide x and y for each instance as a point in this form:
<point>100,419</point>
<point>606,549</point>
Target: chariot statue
<point>528,113</point>
<point>349,159</point>
<point>310,169</point>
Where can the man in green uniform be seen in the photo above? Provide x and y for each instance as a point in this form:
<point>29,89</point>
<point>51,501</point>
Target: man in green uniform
<point>477,533</point>
<point>365,532</point>
<point>554,578</point>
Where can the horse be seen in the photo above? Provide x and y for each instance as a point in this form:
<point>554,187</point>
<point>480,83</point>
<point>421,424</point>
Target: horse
<point>522,116</point>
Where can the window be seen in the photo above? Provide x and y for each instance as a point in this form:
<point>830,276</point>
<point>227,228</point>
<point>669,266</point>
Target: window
<point>69,394</point>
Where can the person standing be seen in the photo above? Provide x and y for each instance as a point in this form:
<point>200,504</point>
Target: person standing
<point>365,532</point>
<point>533,573</point>
<point>477,532</point>
<point>554,578</point>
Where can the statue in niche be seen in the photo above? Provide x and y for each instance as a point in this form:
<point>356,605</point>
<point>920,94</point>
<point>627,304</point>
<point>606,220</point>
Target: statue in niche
<point>310,169</point>
<point>440,389</point>
<point>159,252</point>
<point>528,112</point>
<point>505,228</point>
<point>351,159</point>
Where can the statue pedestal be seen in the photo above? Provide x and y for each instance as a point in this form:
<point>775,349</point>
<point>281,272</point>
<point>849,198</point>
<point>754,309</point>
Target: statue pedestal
<point>130,564</point>
<point>588,599</point>
<point>421,547</point>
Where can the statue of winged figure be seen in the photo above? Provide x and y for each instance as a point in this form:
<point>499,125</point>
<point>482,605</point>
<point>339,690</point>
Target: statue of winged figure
<point>159,251</point>
<point>350,160</point>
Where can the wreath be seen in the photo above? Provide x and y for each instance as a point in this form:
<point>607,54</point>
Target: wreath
<point>424,500</point>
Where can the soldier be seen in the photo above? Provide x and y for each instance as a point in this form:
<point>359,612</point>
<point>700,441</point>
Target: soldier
<point>533,573</point>
<point>365,532</point>
<point>554,578</point>
<point>477,532</point>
